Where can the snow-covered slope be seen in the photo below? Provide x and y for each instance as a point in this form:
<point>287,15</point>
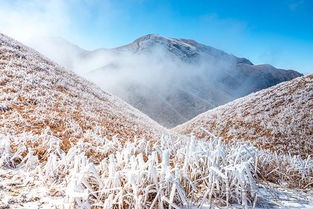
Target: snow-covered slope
<point>172,80</point>
<point>37,96</point>
<point>279,118</point>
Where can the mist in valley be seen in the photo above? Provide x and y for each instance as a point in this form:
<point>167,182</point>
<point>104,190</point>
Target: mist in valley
<point>169,87</point>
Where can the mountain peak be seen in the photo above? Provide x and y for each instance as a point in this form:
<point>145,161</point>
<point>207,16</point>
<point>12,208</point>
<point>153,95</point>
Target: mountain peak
<point>150,36</point>
<point>151,40</point>
<point>176,47</point>
<point>186,49</point>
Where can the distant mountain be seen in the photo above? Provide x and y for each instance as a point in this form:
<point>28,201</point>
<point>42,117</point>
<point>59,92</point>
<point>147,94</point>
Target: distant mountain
<point>173,80</point>
<point>279,118</point>
<point>185,49</point>
<point>38,97</point>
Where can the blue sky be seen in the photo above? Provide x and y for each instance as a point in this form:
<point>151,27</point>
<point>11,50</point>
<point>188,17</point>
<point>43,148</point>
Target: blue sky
<point>278,32</point>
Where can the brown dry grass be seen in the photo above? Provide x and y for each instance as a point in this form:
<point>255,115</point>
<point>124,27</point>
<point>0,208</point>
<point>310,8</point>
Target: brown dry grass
<point>37,95</point>
<point>278,119</point>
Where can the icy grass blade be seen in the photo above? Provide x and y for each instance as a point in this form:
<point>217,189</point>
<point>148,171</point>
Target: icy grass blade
<point>170,173</point>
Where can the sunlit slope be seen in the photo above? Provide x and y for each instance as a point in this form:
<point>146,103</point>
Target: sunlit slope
<point>37,96</point>
<point>278,118</point>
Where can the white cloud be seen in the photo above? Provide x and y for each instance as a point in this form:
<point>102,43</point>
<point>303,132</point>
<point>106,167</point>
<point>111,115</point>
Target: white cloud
<point>75,20</point>
<point>24,19</point>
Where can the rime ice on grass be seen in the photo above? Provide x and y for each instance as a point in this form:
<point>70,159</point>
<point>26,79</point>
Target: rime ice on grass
<point>279,118</point>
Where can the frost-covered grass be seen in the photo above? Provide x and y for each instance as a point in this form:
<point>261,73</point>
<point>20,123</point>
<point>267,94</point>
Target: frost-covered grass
<point>286,170</point>
<point>36,94</point>
<point>138,174</point>
<point>279,119</point>
<point>170,173</point>
<point>55,126</point>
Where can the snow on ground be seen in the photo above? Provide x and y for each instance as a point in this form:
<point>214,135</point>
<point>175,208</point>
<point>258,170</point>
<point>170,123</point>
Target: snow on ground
<point>275,197</point>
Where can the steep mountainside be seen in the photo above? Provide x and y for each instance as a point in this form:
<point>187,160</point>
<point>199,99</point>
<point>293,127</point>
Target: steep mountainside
<point>278,118</point>
<point>173,80</point>
<point>38,97</point>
